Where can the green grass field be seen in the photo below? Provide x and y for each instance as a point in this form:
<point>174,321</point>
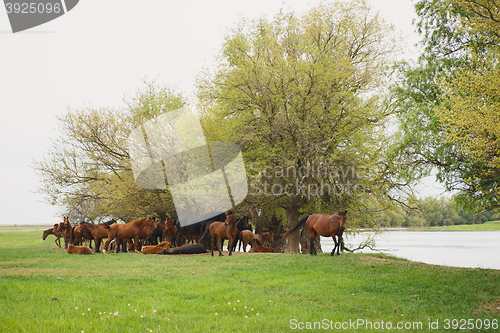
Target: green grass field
<point>43,289</point>
<point>487,226</point>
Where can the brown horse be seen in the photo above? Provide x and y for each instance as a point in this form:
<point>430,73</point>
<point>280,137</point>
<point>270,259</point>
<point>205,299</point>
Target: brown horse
<point>257,247</point>
<point>144,235</point>
<point>153,249</point>
<point>72,249</point>
<point>65,229</point>
<point>98,232</point>
<point>170,231</point>
<point>247,237</point>
<point>78,235</point>
<point>323,225</point>
<point>222,230</point>
<point>129,230</point>
<point>55,232</point>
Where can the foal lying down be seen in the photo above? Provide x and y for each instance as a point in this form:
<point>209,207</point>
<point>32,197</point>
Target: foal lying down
<point>72,249</point>
<point>156,248</point>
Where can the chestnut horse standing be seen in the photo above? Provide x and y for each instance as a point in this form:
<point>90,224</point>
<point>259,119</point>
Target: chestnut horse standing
<point>129,230</point>
<point>323,225</point>
<point>98,231</point>
<point>222,230</point>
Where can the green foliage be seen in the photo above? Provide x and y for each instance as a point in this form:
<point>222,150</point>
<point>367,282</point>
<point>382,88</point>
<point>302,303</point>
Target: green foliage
<point>301,96</point>
<point>432,212</point>
<point>446,103</point>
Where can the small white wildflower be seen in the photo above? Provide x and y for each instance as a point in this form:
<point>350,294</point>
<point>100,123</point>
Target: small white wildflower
<point>128,304</point>
<point>83,314</point>
<point>234,309</point>
<point>135,310</point>
<point>76,308</point>
<point>238,301</point>
<point>245,307</point>
<point>251,309</point>
<point>154,310</point>
<point>216,313</point>
<point>246,316</point>
<point>142,316</point>
<point>100,312</point>
<point>257,314</point>
<point>229,303</point>
<point>89,309</point>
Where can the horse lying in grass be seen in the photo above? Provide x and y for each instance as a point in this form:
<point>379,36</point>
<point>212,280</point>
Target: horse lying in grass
<point>257,247</point>
<point>73,249</point>
<point>248,237</point>
<point>153,249</point>
<point>186,249</point>
<point>55,232</point>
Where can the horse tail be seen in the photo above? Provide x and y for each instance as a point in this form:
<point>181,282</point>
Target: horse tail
<point>72,238</point>
<point>200,241</point>
<point>295,227</point>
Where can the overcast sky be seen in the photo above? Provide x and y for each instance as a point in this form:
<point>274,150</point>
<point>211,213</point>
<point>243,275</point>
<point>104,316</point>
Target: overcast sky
<point>98,53</point>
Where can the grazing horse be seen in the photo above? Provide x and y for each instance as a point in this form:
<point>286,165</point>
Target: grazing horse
<point>72,249</point>
<point>323,225</point>
<point>55,232</point>
<point>98,232</point>
<point>186,249</point>
<point>247,237</point>
<point>155,248</point>
<point>257,247</point>
<point>222,230</point>
<point>129,230</point>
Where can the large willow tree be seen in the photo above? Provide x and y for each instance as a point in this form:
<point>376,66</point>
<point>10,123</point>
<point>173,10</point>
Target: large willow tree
<point>300,96</point>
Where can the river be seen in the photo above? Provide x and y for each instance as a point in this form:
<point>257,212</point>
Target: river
<point>449,248</point>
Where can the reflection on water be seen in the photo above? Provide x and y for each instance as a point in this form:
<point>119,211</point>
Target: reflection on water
<point>449,248</point>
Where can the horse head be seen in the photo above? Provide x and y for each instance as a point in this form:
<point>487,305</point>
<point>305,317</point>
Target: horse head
<point>230,219</point>
<point>342,219</point>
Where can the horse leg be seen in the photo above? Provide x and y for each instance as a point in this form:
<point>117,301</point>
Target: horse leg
<point>312,249</point>
<point>335,247</point>
<point>213,245</point>
<point>230,245</point>
<point>219,241</point>
<point>339,245</point>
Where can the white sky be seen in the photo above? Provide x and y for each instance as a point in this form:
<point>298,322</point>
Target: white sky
<point>95,55</point>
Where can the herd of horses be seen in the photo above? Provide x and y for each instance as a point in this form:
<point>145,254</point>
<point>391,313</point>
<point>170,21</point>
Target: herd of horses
<point>143,234</point>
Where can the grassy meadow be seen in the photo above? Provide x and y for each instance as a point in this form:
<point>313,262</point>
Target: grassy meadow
<point>487,226</point>
<point>43,289</point>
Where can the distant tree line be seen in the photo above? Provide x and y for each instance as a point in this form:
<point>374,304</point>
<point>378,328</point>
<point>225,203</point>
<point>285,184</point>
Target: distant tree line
<point>433,212</point>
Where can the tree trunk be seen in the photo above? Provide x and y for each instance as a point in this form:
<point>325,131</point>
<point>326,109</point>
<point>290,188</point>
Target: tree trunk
<point>305,241</point>
<point>292,217</point>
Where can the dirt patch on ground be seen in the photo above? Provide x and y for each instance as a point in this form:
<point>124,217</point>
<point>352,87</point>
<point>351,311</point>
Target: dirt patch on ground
<point>489,307</point>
